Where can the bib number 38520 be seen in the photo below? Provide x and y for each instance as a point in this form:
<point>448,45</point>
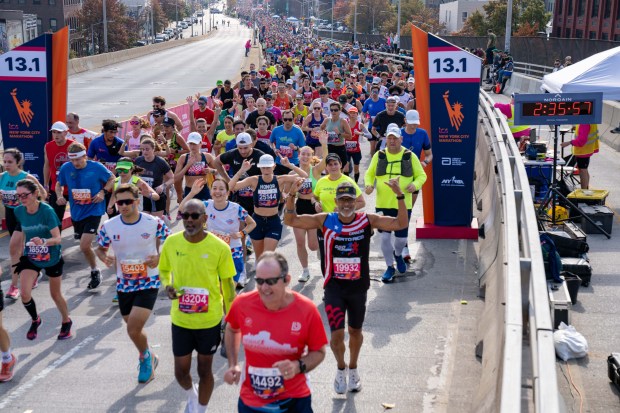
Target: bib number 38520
<point>266,382</point>
<point>194,300</point>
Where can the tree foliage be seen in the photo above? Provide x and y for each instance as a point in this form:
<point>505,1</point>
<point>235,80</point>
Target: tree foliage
<point>369,13</point>
<point>527,16</point>
<point>122,31</point>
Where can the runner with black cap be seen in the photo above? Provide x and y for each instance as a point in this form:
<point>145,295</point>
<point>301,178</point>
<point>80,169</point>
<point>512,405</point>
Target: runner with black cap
<point>346,242</point>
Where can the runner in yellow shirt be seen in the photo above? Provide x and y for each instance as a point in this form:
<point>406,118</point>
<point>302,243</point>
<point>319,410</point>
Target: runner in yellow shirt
<point>194,266</point>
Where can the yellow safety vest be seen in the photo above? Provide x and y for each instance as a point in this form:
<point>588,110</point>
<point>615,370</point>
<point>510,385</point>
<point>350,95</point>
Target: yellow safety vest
<point>511,122</point>
<point>591,145</point>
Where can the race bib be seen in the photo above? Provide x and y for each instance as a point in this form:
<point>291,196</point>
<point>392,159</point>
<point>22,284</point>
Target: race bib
<point>81,196</point>
<point>9,198</point>
<point>222,236</point>
<point>110,166</point>
<point>351,145</point>
<point>148,180</point>
<point>347,268</point>
<point>246,192</point>
<point>196,169</point>
<point>267,197</point>
<point>332,137</point>
<point>286,151</point>
<point>38,253</point>
<point>194,300</point>
<point>266,382</point>
<point>306,187</point>
<point>134,270</point>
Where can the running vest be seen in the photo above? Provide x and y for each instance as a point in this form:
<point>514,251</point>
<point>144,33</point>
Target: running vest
<point>134,181</point>
<point>347,249</point>
<point>267,195</point>
<point>334,136</point>
<point>591,146</point>
<point>511,122</point>
<point>406,169</point>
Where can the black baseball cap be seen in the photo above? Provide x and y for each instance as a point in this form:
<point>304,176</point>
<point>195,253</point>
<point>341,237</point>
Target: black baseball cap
<point>332,157</point>
<point>346,189</point>
<point>168,122</point>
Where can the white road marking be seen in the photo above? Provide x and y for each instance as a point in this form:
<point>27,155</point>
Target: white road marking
<point>15,394</point>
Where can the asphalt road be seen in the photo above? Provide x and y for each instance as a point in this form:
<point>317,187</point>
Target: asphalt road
<point>420,331</point>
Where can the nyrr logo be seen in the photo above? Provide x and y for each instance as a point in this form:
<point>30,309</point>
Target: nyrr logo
<point>454,111</point>
<point>452,182</point>
<point>23,108</point>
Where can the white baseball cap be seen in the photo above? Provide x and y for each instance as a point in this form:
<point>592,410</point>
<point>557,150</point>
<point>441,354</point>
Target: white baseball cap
<point>265,161</point>
<point>393,130</point>
<point>195,138</point>
<point>412,117</point>
<point>289,82</point>
<point>411,80</point>
<point>59,127</point>
<point>376,80</point>
<point>244,139</point>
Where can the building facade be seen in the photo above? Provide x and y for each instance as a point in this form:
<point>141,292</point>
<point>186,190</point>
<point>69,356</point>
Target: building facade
<point>454,14</point>
<point>587,19</point>
<point>16,28</point>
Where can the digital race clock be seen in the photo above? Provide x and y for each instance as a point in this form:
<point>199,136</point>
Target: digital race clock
<point>558,108</point>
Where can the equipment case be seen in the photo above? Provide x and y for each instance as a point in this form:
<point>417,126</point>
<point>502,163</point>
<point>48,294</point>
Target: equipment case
<point>600,214</point>
<point>566,245</point>
<point>579,266</point>
<point>559,301</point>
<point>613,369</point>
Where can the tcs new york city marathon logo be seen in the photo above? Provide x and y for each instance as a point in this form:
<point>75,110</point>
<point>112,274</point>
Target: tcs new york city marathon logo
<point>454,111</point>
<point>24,108</point>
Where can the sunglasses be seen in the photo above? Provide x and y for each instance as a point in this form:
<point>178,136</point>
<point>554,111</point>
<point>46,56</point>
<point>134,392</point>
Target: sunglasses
<point>125,202</point>
<point>156,116</point>
<point>111,130</point>
<point>334,110</point>
<point>134,122</point>
<point>316,108</point>
<point>268,281</point>
<point>287,119</point>
<point>193,215</point>
<point>122,171</point>
<point>24,195</point>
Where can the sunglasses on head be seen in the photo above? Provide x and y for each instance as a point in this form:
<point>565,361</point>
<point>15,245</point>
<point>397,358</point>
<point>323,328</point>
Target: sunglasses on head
<point>126,202</point>
<point>193,215</point>
<point>268,281</point>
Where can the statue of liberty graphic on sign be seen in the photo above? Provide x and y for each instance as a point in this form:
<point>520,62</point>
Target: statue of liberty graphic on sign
<point>23,108</point>
<point>454,111</point>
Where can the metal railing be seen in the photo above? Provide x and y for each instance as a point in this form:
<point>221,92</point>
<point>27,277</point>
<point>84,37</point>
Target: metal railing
<point>525,282</point>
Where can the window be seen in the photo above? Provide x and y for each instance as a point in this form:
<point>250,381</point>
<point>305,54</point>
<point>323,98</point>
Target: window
<point>604,36</point>
<point>607,9</point>
<point>39,26</point>
<point>578,34</point>
<point>595,7</point>
<point>464,16</point>
<point>592,35</point>
<point>581,8</point>
<point>567,34</point>
<point>570,7</point>
<point>558,32</point>
<point>560,6</point>
<point>36,1</point>
<point>21,1</point>
<point>53,25</point>
<point>51,2</point>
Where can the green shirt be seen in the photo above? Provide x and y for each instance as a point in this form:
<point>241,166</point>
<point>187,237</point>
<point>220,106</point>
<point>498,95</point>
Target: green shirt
<point>39,224</point>
<point>325,191</point>
<point>386,198</point>
<point>196,268</point>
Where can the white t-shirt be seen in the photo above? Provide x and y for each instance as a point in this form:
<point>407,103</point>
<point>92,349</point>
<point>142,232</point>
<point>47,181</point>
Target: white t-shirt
<point>82,135</point>
<point>225,222</point>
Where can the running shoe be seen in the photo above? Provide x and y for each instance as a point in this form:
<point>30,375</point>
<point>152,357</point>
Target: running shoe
<point>65,330</point>
<point>248,246</point>
<point>13,293</point>
<point>147,368</point>
<point>95,279</point>
<point>115,298</point>
<point>243,281</point>
<point>340,382</point>
<point>32,331</point>
<point>192,400</point>
<point>355,383</point>
<point>6,372</point>
<point>305,276</point>
<point>401,265</point>
<point>406,255</point>
<point>388,275</point>
<point>35,284</point>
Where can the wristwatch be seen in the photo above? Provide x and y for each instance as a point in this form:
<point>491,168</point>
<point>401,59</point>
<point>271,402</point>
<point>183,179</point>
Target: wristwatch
<point>401,196</point>
<point>302,366</point>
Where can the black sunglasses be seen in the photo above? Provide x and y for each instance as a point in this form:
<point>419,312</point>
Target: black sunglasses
<point>122,202</point>
<point>287,119</point>
<point>268,281</point>
<point>334,110</point>
<point>193,215</point>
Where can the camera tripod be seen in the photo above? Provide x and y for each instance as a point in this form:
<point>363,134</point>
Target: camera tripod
<point>553,193</point>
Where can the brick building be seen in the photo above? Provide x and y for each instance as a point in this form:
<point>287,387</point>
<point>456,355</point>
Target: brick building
<point>587,19</point>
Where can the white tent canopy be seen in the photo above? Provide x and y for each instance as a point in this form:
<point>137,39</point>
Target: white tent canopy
<point>597,73</point>
<point>292,19</point>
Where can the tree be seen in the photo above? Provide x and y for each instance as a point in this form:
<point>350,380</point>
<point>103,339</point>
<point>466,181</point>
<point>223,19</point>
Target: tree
<point>121,28</point>
<point>474,25</point>
<point>370,14</point>
<point>526,15</point>
<point>535,14</point>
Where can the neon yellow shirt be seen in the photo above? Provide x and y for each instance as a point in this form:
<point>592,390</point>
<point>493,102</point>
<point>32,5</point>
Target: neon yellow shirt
<point>196,267</point>
<point>303,112</point>
<point>386,198</point>
<point>223,137</point>
<point>272,70</point>
<point>325,191</point>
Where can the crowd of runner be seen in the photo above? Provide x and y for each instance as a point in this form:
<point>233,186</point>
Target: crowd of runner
<point>280,147</point>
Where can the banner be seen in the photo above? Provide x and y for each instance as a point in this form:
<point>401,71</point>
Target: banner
<point>454,77</point>
<point>26,97</point>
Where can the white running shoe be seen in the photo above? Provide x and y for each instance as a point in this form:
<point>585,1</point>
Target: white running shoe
<point>355,383</point>
<point>340,383</point>
<point>305,276</point>
<point>405,254</point>
<point>192,400</point>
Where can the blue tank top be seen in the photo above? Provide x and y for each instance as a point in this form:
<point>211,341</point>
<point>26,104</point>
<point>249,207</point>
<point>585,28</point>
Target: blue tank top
<point>267,195</point>
<point>313,124</point>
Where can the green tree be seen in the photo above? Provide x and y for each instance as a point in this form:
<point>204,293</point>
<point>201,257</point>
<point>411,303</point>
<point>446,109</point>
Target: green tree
<point>524,12</point>
<point>475,25</point>
<point>370,13</point>
<point>121,28</point>
<point>535,14</point>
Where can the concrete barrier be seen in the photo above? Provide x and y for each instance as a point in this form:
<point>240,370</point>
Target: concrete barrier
<point>82,64</point>
<point>611,109</point>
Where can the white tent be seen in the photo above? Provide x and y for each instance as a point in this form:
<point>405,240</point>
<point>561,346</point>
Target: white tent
<point>597,73</point>
<point>292,19</point>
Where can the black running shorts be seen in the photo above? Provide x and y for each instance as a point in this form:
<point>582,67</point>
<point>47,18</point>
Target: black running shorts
<point>339,302</point>
<point>141,298</point>
<point>205,340</point>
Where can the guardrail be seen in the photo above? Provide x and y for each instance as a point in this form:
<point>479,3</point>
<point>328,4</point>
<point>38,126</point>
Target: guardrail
<point>513,279</point>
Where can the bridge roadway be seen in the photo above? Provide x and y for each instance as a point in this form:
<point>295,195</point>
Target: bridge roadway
<point>420,331</point>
